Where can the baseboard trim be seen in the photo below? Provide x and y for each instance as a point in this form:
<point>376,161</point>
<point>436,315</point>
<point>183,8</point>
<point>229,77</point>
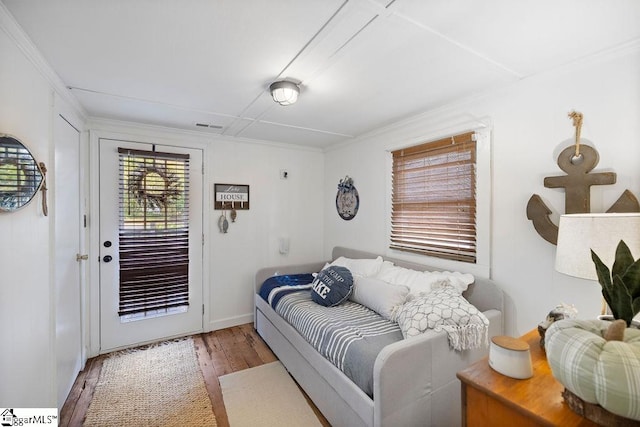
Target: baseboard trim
<point>214,325</point>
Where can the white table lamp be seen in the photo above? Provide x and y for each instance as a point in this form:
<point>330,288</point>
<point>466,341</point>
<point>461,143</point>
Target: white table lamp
<point>578,234</point>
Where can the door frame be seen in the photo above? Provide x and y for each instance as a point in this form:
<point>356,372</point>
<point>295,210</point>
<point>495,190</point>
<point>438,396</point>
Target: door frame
<point>142,134</point>
<point>62,110</point>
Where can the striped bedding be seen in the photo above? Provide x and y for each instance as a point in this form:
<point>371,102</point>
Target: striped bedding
<point>349,335</point>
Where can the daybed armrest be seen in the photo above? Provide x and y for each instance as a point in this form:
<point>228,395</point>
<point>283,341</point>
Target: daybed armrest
<point>402,394</point>
<point>485,295</point>
<point>264,273</point>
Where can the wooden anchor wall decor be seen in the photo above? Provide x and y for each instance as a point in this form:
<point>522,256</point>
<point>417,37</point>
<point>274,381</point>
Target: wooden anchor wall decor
<point>576,161</point>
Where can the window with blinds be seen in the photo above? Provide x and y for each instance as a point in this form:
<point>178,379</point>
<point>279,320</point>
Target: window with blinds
<point>154,232</point>
<point>434,199</point>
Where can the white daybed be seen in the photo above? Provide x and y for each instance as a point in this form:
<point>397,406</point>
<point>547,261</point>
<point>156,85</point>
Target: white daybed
<point>414,380</point>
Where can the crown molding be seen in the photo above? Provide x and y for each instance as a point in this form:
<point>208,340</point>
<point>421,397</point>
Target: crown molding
<point>14,31</point>
<point>129,128</point>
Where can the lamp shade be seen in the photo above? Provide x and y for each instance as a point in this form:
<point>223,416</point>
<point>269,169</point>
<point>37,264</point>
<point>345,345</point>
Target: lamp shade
<point>578,234</point>
<point>284,92</point>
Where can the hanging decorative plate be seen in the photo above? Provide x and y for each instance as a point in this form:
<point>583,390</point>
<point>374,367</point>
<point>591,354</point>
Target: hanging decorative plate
<point>347,199</point>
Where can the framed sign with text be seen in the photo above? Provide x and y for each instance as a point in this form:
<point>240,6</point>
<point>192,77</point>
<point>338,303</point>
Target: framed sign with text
<point>231,196</point>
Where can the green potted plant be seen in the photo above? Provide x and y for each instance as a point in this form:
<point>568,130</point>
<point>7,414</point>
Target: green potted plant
<point>621,285</point>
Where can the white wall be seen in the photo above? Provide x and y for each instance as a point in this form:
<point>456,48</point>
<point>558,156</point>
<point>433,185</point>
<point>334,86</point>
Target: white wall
<point>529,128</point>
<point>290,208</point>
<point>26,327</point>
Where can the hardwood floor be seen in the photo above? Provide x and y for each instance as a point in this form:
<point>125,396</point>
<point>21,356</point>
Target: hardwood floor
<point>219,353</point>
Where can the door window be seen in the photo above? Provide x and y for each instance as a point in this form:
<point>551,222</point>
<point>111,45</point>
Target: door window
<point>153,233</point>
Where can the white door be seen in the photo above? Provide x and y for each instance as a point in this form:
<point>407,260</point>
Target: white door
<point>150,242</point>
<point>67,223</point>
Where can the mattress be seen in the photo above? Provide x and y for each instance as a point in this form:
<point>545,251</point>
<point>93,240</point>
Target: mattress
<point>349,335</point>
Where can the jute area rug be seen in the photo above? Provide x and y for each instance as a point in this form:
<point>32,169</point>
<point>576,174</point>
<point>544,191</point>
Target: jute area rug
<point>158,386</point>
<point>265,396</point>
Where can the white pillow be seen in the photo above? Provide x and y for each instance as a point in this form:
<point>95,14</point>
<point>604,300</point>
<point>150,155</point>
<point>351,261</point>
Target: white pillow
<point>417,281</point>
<point>380,296</point>
<point>459,280</point>
<point>385,266</point>
<point>421,282</point>
<point>360,267</point>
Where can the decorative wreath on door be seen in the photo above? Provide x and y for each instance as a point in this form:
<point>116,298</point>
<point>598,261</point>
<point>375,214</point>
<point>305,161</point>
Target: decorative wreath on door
<point>154,187</point>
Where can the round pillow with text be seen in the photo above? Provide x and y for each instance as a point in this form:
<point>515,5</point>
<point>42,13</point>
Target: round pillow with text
<point>332,286</point>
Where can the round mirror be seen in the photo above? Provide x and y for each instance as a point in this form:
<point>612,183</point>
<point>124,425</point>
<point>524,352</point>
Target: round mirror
<point>20,175</point>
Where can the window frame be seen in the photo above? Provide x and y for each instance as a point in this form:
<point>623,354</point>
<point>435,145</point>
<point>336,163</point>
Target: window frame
<point>482,266</point>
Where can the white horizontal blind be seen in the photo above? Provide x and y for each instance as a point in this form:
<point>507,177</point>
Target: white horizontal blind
<point>434,199</point>
<point>154,231</point>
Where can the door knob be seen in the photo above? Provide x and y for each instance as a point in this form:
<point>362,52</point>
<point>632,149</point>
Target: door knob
<point>81,257</point>
<point>107,258</point>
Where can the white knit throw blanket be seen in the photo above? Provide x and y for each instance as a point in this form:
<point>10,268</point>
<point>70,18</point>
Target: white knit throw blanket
<point>444,309</point>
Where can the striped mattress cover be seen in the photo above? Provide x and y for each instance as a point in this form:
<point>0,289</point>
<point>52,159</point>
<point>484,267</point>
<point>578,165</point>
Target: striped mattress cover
<point>349,335</point>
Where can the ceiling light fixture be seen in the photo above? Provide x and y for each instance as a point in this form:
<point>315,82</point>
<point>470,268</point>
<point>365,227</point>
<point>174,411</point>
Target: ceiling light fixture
<point>284,92</point>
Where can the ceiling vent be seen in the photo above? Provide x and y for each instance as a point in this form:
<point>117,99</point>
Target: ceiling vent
<point>209,126</point>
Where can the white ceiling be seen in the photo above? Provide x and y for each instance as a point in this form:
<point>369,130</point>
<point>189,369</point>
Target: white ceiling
<point>362,64</point>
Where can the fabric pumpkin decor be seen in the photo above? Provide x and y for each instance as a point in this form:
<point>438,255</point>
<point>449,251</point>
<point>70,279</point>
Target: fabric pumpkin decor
<point>332,286</point>
<point>598,371</point>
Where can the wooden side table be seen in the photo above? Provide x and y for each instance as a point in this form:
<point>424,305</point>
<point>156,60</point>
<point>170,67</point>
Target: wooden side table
<point>492,399</point>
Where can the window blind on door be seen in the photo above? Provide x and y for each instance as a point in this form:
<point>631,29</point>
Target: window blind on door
<point>434,199</point>
<point>154,231</point>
